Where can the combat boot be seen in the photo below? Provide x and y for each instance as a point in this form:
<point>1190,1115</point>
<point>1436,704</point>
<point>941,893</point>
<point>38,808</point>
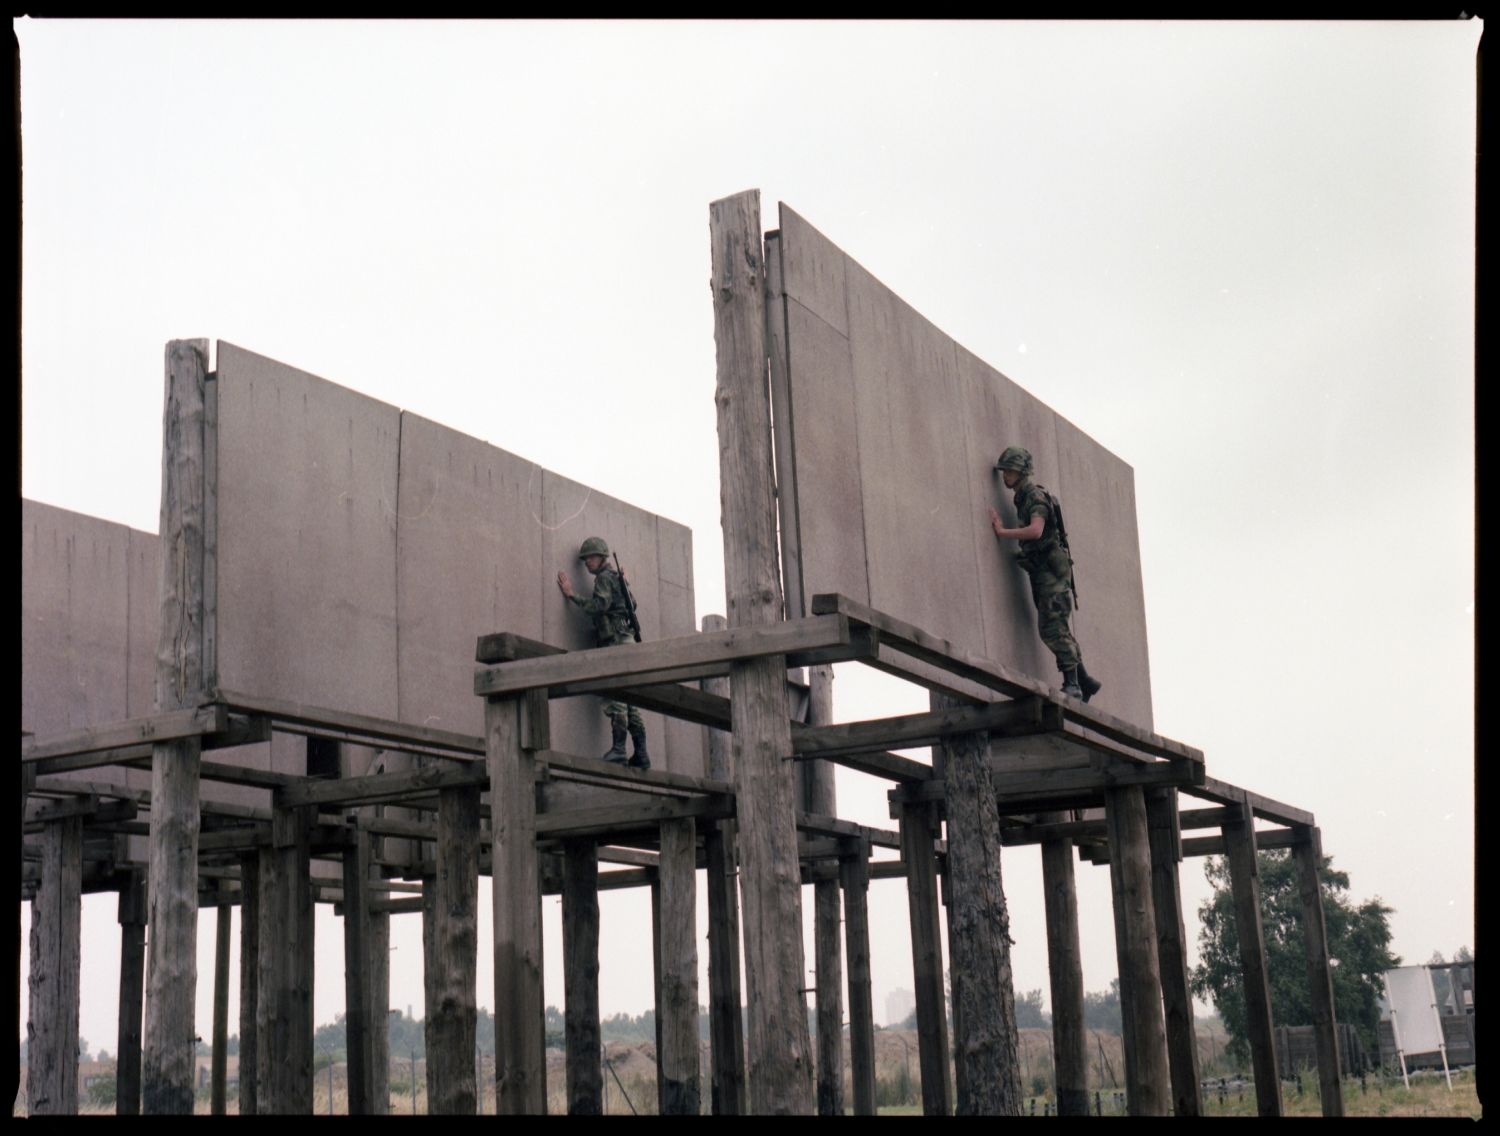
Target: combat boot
<point>1088,683</point>
<point>640,759</point>
<point>1070,682</point>
<point>616,753</point>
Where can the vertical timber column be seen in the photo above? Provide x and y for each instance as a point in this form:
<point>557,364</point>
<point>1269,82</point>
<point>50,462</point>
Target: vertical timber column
<point>267,951</point>
<point>918,831</point>
<point>286,979</point>
<point>379,988</point>
<point>1171,949</point>
<point>770,879</point>
<point>725,1026</point>
<point>854,875</point>
<point>56,917</point>
<point>182,664</point>
<point>819,797</point>
<point>514,728</point>
<point>357,1024</point>
<point>580,917</point>
<point>1244,882</point>
<point>132,988</point>
<point>677,1002</point>
<point>985,1042</point>
<point>450,1049</point>
<point>249,982</point>
<point>218,1080</point>
<point>1308,853</point>
<point>1143,1033</point>
<point>1065,970</point>
<point>28,782</point>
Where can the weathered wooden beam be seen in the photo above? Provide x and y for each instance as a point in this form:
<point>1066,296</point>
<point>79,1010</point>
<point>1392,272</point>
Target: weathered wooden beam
<point>1204,818</point>
<point>649,660</point>
<point>453,1014</point>
<point>847,830</point>
<point>340,725</point>
<point>171,725</point>
<point>511,740</point>
<point>1024,716</point>
<point>1171,949</point>
<point>132,919</point>
<point>918,832</point>
<point>985,1042</point>
<point>1212,789</point>
<point>219,1051</point>
<point>181,669</point>
<point>249,983</point>
<point>41,813</point>
<point>583,1074</point>
<point>770,883</point>
<point>1143,1033</point>
<point>1240,840</point>
<point>554,763</point>
<point>286,967</point>
<point>1218,846</point>
<point>616,819</point>
<point>383,786</point>
<point>56,916</point>
<point>1308,855</point>
<point>1046,833</point>
<point>677,1003</point>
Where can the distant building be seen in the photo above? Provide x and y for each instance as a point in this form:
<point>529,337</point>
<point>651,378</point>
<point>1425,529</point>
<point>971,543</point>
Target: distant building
<point>898,1006</point>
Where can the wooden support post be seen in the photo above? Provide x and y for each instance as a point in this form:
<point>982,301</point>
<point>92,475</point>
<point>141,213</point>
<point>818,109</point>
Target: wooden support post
<point>380,1012</point>
<point>132,918</point>
<point>511,740</point>
<point>1171,944</point>
<point>249,982</point>
<point>56,915</point>
<point>452,1014</point>
<point>1308,853</point>
<point>985,1042</point>
<point>218,1079</point>
<point>677,1004</point>
<point>357,1024</point>
<point>918,831</point>
<point>726,1027</point>
<point>172,966</point>
<point>770,880</point>
<point>854,876</point>
<point>819,797</point>
<point>1244,881</point>
<point>28,782</point>
<point>580,917</point>
<point>1065,969</point>
<point>661,1079</point>
<point>1143,1032</point>
<point>286,968</point>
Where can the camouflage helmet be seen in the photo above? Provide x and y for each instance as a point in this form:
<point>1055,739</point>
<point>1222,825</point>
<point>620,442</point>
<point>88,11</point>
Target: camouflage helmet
<point>1015,458</point>
<point>593,546</point>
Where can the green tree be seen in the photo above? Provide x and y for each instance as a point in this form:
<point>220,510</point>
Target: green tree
<point>1029,1013</point>
<point>1101,1008</point>
<point>1359,939</point>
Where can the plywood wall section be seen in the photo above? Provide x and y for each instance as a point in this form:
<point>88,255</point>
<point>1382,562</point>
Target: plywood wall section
<point>363,550</point>
<point>894,429</point>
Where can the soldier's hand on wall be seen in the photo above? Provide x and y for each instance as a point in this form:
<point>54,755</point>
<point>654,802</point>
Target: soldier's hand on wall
<point>995,521</point>
<point>565,585</point>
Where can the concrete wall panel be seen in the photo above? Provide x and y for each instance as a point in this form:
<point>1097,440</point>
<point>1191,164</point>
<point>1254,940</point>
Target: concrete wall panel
<point>928,419</point>
<point>307,537</point>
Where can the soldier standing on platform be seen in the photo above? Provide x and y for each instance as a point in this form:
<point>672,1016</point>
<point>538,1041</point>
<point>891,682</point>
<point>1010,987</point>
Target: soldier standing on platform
<point>613,613</point>
<point>1049,563</point>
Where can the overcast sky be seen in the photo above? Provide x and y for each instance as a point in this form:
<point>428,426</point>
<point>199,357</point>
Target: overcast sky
<point>1239,255</point>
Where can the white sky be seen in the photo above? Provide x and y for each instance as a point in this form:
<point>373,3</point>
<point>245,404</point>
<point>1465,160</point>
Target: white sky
<point>1240,255</point>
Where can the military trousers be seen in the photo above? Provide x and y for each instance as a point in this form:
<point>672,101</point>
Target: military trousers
<point>614,709</point>
<point>1052,592</point>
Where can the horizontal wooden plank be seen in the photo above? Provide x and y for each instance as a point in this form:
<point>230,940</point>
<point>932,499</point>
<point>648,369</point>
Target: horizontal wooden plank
<point>382,786</point>
<point>848,829</point>
<point>887,869</point>
<point>1065,830</point>
<point>624,818</point>
<point>384,732</point>
<point>732,645</point>
<point>635,856</point>
<point>235,839</point>
<point>891,766</point>
<point>170,726</point>
<point>242,775</point>
<point>1029,715</point>
<point>506,646</point>
<point>1213,789</point>
<point>1264,840</point>
<point>560,764</point>
<point>1058,784</point>
<point>89,806</point>
<point>940,652</point>
<point>1205,818</point>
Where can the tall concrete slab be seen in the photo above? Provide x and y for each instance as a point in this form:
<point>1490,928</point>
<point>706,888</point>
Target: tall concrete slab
<point>892,434</point>
<point>306,510</point>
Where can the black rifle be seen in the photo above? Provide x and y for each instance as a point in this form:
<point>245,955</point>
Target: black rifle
<point>1062,540</point>
<point>635,624</point>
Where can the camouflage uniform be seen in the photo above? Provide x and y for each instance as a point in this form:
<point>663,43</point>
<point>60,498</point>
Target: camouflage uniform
<point>1051,571</point>
<point>606,607</point>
